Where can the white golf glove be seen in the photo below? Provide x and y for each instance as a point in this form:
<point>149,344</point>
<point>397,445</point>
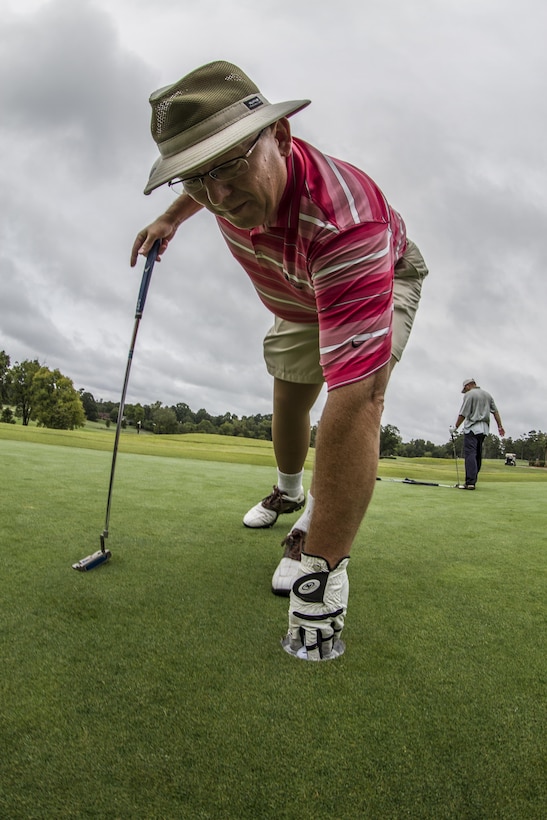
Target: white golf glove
<point>317,607</point>
<point>452,430</point>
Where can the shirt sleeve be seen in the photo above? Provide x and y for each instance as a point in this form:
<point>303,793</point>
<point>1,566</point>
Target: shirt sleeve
<point>352,276</point>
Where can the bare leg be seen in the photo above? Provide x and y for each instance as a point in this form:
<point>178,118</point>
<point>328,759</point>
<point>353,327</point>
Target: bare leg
<point>346,460</point>
<point>292,403</point>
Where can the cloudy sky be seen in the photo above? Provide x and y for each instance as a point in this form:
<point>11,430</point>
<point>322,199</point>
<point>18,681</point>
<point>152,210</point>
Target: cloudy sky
<point>442,102</point>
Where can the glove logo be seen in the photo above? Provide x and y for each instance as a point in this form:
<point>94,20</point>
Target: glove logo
<point>311,587</point>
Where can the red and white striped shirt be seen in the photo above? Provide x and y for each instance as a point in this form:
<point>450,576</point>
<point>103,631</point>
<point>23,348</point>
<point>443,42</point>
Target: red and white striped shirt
<point>328,258</point>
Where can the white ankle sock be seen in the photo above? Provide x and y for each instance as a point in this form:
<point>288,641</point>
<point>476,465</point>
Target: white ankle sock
<point>290,484</point>
<point>303,522</point>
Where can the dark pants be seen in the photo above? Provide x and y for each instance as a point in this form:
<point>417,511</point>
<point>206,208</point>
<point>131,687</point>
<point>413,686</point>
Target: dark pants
<point>472,453</point>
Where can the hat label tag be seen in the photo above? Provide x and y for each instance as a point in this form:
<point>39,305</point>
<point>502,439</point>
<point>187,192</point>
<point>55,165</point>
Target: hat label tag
<point>254,102</point>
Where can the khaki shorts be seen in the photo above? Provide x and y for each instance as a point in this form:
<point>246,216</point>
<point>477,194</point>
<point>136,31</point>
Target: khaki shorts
<point>291,350</point>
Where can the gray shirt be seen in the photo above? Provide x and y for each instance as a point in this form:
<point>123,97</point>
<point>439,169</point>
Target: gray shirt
<point>476,408</point>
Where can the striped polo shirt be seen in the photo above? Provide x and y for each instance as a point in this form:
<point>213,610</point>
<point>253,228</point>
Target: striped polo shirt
<point>328,258</point>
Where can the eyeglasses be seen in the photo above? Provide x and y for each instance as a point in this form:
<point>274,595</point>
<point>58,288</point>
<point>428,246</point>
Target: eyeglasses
<point>222,173</point>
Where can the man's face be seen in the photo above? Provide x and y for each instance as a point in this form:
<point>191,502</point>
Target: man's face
<point>253,198</point>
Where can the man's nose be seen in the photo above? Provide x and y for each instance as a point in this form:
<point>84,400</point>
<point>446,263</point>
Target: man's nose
<point>217,190</point>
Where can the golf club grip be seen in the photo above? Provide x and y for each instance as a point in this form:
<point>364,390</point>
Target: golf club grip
<point>146,276</point>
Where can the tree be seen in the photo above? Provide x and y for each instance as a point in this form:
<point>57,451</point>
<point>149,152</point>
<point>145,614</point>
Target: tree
<point>165,420</point>
<point>138,414</point>
<point>57,404</point>
<point>415,448</point>
<point>390,439</point>
<point>226,428</point>
<point>183,412</point>
<point>20,392</point>
<point>89,405</point>
<point>493,447</point>
<point>134,413</point>
<point>187,427</point>
<point>5,377</point>
<point>7,416</point>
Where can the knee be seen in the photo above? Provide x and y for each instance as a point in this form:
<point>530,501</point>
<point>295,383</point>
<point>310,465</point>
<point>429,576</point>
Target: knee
<point>294,396</point>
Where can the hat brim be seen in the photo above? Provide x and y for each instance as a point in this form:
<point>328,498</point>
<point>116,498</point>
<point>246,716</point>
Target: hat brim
<point>184,162</point>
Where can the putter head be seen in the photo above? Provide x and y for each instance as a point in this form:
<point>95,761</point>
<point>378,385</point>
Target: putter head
<point>92,561</point>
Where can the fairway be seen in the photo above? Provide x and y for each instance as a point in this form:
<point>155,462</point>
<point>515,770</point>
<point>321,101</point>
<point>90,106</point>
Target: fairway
<point>156,687</point>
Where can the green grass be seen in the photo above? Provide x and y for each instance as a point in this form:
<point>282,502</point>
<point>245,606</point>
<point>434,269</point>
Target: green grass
<point>155,686</point>
<point>193,445</point>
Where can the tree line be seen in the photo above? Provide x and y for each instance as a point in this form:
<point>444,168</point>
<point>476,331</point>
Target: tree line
<point>178,418</point>
<point>530,447</point>
<point>32,392</point>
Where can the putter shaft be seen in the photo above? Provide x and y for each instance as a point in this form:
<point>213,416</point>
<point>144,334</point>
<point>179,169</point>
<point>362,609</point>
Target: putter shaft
<point>102,555</point>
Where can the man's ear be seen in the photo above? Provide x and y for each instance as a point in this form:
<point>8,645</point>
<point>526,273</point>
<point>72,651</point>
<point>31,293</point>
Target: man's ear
<point>282,135</point>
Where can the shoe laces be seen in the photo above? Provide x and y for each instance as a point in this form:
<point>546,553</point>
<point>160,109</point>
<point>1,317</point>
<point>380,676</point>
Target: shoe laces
<point>294,544</point>
<point>274,500</point>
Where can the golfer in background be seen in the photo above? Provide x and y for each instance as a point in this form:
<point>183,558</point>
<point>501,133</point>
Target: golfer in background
<point>321,246</point>
<point>475,412</point>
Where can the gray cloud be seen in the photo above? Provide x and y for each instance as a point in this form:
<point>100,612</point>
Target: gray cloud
<point>441,103</point>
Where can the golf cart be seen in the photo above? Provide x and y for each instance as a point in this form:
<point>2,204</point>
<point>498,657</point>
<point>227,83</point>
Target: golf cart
<point>510,459</point>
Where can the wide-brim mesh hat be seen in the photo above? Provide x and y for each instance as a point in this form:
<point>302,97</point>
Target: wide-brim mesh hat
<point>205,114</point>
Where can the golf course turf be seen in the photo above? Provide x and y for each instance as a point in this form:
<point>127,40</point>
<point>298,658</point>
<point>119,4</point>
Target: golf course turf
<point>155,686</point>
